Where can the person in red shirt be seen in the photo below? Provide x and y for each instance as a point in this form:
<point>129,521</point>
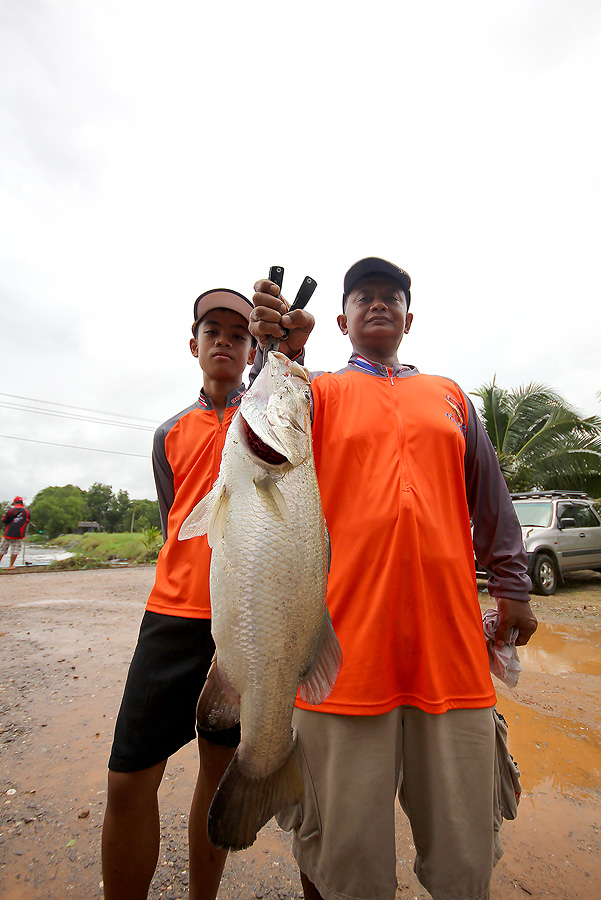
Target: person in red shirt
<point>404,466</point>
<point>175,647</point>
<point>16,519</point>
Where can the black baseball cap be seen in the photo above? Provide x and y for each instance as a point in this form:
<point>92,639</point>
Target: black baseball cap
<point>222,298</point>
<point>373,265</point>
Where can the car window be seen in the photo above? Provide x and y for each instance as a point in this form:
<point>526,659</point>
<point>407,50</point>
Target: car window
<point>585,517</point>
<point>568,511</point>
<point>582,514</point>
<point>534,514</point>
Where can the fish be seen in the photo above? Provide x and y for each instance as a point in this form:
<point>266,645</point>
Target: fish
<point>268,582</point>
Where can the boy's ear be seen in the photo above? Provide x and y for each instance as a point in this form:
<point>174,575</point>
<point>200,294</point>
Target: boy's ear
<point>342,323</point>
<point>408,321</point>
<point>251,356</point>
<point>194,347</point>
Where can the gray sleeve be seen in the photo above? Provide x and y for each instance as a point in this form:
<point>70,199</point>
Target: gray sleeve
<point>497,534</point>
<point>163,477</point>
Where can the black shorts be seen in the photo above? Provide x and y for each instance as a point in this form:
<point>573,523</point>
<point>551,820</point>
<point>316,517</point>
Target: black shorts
<point>166,675</point>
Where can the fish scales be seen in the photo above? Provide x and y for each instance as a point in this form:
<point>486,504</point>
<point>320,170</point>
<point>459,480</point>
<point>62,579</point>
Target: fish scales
<point>268,583</point>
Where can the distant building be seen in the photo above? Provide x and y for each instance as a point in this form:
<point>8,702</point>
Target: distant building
<point>83,527</point>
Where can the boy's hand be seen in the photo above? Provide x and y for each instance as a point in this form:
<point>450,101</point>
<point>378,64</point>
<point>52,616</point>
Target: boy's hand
<point>514,613</point>
<point>270,318</point>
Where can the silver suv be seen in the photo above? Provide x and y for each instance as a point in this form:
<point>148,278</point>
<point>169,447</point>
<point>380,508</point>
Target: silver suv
<point>561,531</point>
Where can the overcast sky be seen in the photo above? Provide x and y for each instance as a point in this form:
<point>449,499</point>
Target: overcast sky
<point>152,150</point>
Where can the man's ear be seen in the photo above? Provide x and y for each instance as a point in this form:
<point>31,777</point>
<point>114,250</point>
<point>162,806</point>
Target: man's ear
<point>342,323</point>
<point>194,347</point>
<point>408,322</point>
<point>251,356</point>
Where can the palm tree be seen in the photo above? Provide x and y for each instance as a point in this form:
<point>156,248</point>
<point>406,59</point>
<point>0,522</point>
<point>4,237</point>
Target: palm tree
<point>542,443</point>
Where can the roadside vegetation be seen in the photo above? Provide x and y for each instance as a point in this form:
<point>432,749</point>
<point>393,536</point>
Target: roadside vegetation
<point>95,550</point>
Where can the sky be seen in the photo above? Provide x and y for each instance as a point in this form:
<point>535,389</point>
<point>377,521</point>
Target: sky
<point>150,151</point>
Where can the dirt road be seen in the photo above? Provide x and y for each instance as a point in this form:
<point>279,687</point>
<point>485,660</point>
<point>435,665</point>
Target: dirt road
<point>65,643</point>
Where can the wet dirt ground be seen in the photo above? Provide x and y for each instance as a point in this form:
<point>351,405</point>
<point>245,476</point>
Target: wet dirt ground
<point>65,644</point>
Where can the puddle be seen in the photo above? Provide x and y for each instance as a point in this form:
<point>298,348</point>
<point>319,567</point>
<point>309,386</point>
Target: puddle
<point>561,649</point>
<point>36,555</point>
<point>552,750</point>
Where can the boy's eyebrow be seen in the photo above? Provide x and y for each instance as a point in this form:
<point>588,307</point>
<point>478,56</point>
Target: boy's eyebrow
<point>206,321</point>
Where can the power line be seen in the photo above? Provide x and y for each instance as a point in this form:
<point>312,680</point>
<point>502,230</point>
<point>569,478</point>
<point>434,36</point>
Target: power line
<point>60,415</point>
<point>72,446</point>
<point>101,412</point>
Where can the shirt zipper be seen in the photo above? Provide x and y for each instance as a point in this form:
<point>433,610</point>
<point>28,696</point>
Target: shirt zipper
<point>403,475</point>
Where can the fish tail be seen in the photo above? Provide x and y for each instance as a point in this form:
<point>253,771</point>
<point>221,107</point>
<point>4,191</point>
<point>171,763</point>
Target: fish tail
<point>243,804</point>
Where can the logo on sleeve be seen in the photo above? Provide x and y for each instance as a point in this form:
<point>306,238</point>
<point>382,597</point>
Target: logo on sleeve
<point>457,416</point>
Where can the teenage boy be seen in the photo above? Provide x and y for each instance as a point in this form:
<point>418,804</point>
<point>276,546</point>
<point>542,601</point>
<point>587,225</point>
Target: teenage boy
<point>403,463</point>
<point>16,519</point>
<point>175,648</point>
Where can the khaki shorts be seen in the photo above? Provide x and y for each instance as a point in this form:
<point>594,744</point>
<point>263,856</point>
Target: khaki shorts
<point>442,767</point>
<point>14,545</point>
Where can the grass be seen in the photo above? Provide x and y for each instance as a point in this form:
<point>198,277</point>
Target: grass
<point>33,538</point>
<point>93,550</point>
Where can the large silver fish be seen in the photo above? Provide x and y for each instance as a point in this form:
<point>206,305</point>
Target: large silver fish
<point>270,623</point>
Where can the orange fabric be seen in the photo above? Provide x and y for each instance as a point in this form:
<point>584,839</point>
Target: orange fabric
<point>193,448</point>
<point>402,592</point>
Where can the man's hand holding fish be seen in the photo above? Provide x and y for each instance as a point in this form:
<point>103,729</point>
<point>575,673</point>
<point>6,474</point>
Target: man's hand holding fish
<point>270,318</point>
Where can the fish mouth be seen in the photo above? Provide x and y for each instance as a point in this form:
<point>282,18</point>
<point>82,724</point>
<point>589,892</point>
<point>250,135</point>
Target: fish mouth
<point>260,448</point>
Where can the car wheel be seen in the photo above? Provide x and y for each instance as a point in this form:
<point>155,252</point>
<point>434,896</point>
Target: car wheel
<point>544,575</point>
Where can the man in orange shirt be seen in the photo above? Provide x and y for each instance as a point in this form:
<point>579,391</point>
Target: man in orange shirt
<point>175,647</point>
<point>403,464</point>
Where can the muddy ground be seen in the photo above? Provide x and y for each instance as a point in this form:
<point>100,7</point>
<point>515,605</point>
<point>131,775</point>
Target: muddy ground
<point>65,643</point>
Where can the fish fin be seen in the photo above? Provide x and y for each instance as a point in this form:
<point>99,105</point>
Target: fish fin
<point>197,522</point>
<point>243,804</point>
<point>271,494</point>
<point>207,517</point>
<point>218,704</point>
<point>317,682</point>
<point>216,526</point>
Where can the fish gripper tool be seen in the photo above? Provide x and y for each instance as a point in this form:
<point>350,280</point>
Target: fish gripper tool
<point>304,294</point>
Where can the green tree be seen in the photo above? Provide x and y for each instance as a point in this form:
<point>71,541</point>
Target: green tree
<point>118,514</point>
<point>57,510</point>
<point>541,441</point>
<point>146,515</point>
<point>99,498</point>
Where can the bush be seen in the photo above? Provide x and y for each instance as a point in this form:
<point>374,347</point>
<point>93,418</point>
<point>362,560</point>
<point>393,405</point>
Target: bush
<point>34,538</point>
<point>100,548</point>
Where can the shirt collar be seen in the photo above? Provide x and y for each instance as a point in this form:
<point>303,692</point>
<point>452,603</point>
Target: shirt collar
<point>375,368</point>
<point>233,398</point>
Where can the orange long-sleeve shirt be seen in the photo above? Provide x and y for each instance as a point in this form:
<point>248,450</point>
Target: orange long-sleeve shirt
<point>390,455</point>
<point>186,459</point>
